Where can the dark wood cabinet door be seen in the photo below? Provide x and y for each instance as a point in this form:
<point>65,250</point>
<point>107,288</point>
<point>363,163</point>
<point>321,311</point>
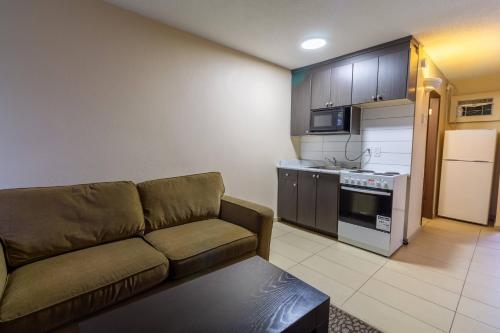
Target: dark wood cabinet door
<point>341,85</point>
<point>364,81</point>
<point>327,202</point>
<point>287,194</point>
<point>320,88</point>
<point>393,75</point>
<point>306,204</point>
<point>301,103</point>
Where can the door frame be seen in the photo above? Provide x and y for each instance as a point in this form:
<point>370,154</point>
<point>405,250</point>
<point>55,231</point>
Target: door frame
<point>431,169</point>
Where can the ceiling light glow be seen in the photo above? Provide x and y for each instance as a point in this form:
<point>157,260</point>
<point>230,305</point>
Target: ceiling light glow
<point>313,43</point>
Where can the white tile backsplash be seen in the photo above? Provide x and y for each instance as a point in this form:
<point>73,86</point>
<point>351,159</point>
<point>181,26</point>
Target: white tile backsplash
<point>387,131</point>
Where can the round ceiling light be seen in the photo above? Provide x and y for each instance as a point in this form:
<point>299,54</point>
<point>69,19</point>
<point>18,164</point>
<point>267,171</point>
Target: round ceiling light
<point>313,43</point>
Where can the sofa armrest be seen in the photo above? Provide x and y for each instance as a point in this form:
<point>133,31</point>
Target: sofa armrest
<point>254,217</point>
<point>3,272</point>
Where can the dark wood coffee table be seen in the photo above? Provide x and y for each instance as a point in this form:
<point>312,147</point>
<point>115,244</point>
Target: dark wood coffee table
<point>250,296</point>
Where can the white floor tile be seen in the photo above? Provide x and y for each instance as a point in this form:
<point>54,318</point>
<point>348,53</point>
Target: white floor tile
<point>417,307</point>
<point>360,253</point>
<point>482,294</point>
<point>291,252</point>
<point>426,274</point>
<point>418,288</point>
<point>339,273</point>
<point>281,261</point>
<point>277,232</point>
<point>297,240</point>
<point>350,261</point>
<point>314,237</point>
<point>338,292</point>
<point>479,311</point>
<point>383,317</point>
<point>463,324</point>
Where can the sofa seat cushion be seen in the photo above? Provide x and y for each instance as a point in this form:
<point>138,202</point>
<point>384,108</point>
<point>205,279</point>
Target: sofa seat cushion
<point>50,292</point>
<point>195,246</point>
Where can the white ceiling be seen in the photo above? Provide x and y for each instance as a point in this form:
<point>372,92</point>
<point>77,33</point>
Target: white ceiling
<point>461,36</point>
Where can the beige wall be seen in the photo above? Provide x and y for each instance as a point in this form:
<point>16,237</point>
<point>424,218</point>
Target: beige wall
<point>479,84</point>
<point>420,140</point>
<point>90,92</point>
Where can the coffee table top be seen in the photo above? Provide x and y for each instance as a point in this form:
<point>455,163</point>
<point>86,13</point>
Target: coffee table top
<point>250,296</point>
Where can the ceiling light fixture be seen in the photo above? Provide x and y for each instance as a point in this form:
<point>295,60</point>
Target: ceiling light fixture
<point>313,43</point>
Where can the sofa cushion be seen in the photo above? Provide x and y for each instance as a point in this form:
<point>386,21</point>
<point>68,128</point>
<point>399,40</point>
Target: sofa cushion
<point>50,292</point>
<point>174,201</point>
<point>37,223</point>
<point>195,246</point>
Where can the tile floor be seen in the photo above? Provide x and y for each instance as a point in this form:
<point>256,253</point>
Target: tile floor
<point>446,280</point>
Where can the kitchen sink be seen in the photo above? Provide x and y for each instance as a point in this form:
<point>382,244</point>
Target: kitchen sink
<point>326,167</point>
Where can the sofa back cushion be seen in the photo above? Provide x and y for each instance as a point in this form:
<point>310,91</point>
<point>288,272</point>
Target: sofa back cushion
<point>37,223</point>
<point>173,201</point>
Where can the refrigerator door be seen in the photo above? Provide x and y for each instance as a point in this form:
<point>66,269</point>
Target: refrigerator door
<point>470,145</point>
<point>465,191</point>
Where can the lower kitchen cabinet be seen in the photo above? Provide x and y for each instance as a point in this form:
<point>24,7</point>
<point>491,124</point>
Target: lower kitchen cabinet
<point>327,202</point>
<point>287,194</point>
<point>306,199</point>
<point>309,199</point>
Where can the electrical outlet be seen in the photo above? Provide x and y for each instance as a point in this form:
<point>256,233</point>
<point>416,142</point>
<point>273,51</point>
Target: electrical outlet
<point>375,151</point>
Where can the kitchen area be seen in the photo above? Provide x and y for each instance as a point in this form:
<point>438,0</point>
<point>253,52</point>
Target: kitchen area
<point>354,115</point>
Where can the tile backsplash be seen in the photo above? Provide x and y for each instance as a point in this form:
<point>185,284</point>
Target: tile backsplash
<point>387,131</point>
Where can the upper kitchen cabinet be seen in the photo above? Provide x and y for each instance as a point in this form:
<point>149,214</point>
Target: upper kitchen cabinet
<point>364,81</point>
<point>331,86</point>
<point>301,102</point>
<point>385,74</point>
<point>320,88</point>
<point>341,85</point>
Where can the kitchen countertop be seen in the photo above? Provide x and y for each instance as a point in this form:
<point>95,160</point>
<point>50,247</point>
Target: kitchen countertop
<point>303,165</point>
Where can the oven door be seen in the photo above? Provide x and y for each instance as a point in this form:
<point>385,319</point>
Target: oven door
<point>368,208</point>
<point>323,121</point>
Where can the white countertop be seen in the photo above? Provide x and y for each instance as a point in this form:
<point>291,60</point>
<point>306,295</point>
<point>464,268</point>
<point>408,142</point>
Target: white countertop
<point>304,165</point>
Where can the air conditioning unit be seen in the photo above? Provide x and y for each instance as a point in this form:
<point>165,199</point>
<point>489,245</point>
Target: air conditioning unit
<point>476,107</point>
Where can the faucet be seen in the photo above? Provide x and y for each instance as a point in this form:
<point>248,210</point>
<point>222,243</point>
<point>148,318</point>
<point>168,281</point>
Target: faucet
<point>332,160</point>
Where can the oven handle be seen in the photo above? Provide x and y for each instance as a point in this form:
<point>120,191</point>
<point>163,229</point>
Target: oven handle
<point>365,191</point>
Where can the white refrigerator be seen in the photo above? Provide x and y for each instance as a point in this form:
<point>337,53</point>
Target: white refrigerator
<point>467,174</point>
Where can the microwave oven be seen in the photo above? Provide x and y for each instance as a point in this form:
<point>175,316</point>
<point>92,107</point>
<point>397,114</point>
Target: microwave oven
<point>339,120</point>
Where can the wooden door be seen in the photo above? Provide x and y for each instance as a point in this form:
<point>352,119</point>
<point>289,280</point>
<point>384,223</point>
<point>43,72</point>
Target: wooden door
<point>320,88</point>
<point>431,150</point>
<point>341,85</point>
<point>306,199</point>
<point>301,103</point>
<point>393,75</point>
<point>364,81</point>
<point>287,195</point>
<point>327,202</point>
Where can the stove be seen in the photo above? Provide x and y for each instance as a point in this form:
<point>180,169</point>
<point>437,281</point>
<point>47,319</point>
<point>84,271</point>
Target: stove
<point>372,210</point>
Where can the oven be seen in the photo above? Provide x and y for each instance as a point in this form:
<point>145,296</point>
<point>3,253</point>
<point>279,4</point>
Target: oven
<point>366,207</point>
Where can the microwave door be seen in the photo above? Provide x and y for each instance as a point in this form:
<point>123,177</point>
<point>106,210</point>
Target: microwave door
<point>322,121</point>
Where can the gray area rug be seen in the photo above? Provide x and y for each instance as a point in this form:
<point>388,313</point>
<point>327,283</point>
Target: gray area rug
<point>342,322</point>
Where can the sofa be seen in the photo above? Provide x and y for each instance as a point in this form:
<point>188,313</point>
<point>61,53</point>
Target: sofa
<point>71,251</point>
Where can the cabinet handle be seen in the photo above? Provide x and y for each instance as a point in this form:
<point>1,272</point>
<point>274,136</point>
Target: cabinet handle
<point>314,176</point>
<point>317,176</point>
<point>374,98</point>
<point>326,104</point>
<point>379,97</point>
<point>294,184</point>
<point>286,174</point>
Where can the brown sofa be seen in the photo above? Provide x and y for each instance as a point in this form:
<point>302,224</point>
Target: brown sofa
<point>73,250</point>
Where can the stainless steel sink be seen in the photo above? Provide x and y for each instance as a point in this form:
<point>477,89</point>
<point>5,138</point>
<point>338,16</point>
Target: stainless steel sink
<point>326,167</point>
